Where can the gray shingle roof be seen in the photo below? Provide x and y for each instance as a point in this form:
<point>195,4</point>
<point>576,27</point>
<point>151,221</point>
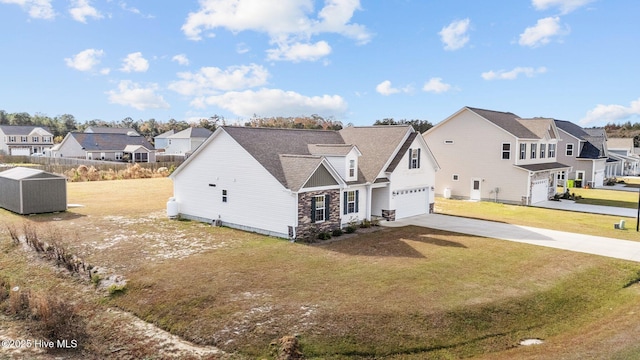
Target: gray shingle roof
<point>594,139</point>
<point>571,128</point>
<point>106,142</point>
<point>21,130</point>
<point>507,121</point>
<point>192,132</point>
<point>109,130</point>
<point>267,144</point>
<point>377,144</point>
<point>289,154</point>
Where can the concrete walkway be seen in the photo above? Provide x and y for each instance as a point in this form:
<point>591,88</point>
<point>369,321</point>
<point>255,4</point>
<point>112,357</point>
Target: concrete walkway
<point>571,205</point>
<point>615,248</point>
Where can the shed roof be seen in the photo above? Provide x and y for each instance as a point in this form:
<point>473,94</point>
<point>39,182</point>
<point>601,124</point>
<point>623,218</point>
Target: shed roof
<point>22,173</point>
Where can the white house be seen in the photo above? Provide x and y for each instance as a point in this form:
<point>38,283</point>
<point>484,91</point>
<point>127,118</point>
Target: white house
<point>186,141</point>
<point>24,140</point>
<point>622,150</point>
<point>106,146</point>
<point>290,182</point>
<point>496,156</point>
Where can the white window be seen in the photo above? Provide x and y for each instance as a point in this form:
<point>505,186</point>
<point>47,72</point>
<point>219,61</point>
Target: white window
<point>543,150</point>
<point>118,156</point>
<point>352,168</point>
<point>23,139</point>
<point>318,208</point>
<point>351,198</point>
<point>534,150</point>
<point>12,139</point>
<point>35,139</point>
<point>506,151</point>
<point>224,196</point>
<point>523,151</point>
<point>414,158</point>
<point>569,150</point>
<point>552,150</point>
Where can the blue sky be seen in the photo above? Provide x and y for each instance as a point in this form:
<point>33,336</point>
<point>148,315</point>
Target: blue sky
<point>355,61</point>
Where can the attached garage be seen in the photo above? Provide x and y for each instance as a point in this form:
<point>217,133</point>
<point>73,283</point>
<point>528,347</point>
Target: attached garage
<point>24,151</point>
<point>31,191</point>
<point>539,191</point>
<point>411,202</point>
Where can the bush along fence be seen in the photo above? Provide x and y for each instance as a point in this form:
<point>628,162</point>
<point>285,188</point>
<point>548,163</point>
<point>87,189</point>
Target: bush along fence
<point>49,245</point>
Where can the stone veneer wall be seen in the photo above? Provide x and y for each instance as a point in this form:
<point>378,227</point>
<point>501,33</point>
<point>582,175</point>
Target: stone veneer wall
<point>305,226</point>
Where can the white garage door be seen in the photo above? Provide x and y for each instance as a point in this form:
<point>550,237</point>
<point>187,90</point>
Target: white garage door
<point>539,191</point>
<point>20,151</point>
<point>412,202</point>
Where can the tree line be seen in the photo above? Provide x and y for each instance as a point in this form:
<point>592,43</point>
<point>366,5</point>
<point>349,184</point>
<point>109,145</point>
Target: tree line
<point>60,125</point>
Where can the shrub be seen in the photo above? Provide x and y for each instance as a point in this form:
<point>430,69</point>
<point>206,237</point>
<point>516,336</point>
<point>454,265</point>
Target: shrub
<point>324,235</point>
<point>336,232</point>
<point>350,229</point>
<point>365,224</point>
<point>117,289</point>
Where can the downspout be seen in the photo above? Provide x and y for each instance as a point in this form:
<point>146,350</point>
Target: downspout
<point>369,201</point>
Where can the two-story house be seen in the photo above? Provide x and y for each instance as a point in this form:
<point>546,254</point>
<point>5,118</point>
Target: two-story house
<point>585,151</point>
<point>24,140</point>
<point>184,142</point>
<point>496,156</point>
<point>292,182</point>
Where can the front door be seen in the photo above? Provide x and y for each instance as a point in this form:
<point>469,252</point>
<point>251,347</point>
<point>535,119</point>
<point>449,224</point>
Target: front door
<point>475,189</point>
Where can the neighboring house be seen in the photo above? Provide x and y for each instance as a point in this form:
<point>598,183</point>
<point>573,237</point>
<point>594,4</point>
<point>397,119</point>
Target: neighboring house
<point>291,182</point>
<point>110,130</point>
<point>585,151</point>
<point>497,156</point>
<point>622,150</point>
<point>24,140</point>
<point>161,141</point>
<point>106,146</point>
<point>186,141</point>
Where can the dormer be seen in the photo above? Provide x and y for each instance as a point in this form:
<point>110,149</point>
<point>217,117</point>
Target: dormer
<point>343,157</point>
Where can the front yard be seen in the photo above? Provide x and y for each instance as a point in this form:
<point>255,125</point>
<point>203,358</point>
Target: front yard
<point>397,293</point>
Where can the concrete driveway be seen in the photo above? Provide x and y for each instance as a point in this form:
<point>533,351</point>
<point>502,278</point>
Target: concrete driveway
<point>615,248</point>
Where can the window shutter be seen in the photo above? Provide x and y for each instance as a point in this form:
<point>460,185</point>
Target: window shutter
<point>326,207</point>
<point>418,158</point>
<point>313,209</point>
<point>409,158</point>
<point>357,193</point>
<point>345,203</point>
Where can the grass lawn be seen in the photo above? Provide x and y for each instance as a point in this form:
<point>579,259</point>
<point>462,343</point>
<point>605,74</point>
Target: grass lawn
<point>397,293</point>
<point>607,197</point>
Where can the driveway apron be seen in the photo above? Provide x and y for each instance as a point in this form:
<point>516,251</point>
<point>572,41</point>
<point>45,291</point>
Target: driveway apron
<point>597,245</point>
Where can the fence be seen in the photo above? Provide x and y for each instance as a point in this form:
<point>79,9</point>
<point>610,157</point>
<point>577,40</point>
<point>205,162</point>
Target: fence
<point>61,165</point>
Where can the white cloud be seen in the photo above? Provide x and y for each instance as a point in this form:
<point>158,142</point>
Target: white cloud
<point>513,74</point>
<point>290,24</point>
<point>603,114</point>
<point>436,85</point>
<point>565,6</point>
<point>37,9</point>
<point>541,33</point>
<point>81,10</point>
<point>242,48</point>
<point>454,36</point>
<point>275,102</point>
<point>136,96</point>
<point>85,60</point>
<point>385,88</point>
<point>134,62</point>
<point>134,10</point>
<point>212,80</point>
<point>300,52</point>
<point>181,59</point>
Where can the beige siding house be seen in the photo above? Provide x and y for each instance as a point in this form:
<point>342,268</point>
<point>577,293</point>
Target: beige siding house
<point>495,156</point>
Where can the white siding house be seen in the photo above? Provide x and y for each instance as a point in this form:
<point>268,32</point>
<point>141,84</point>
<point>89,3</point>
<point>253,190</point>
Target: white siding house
<point>292,183</point>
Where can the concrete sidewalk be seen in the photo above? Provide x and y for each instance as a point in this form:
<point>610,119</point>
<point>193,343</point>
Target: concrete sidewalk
<point>615,248</point>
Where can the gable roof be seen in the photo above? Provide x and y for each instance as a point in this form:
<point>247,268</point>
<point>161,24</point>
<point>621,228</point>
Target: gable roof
<point>105,141</point>
<point>267,144</point>
<point>23,130</point>
<point>377,145</point>
<point>542,128</point>
<point>620,143</point>
<point>593,139</point>
<point>330,149</point>
<point>506,121</point>
<point>165,134</point>
<point>191,132</point>
<point>571,129</point>
<point>109,130</point>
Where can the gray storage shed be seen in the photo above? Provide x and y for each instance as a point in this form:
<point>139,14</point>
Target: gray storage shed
<point>31,191</point>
